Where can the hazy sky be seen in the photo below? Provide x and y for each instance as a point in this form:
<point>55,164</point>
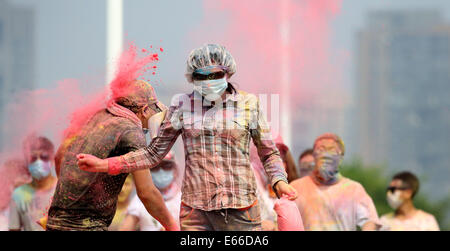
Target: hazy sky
<point>71,34</point>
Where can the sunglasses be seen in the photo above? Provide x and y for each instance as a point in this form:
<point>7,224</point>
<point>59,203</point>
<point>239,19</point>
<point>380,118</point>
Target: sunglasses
<point>393,189</point>
<point>210,76</point>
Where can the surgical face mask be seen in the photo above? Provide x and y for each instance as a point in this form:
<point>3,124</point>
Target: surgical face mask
<point>328,171</point>
<point>162,178</point>
<point>211,89</point>
<point>394,199</point>
<point>40,169</point>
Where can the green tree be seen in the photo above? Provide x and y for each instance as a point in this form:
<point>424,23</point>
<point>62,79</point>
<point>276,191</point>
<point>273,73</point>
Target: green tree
<point>375,180</point>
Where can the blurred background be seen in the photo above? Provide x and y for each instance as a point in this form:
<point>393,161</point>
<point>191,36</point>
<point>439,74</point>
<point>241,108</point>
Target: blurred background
<point>375,72</point>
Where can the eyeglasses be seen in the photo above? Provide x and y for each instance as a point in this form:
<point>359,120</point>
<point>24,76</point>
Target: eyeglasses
<point>393,189</point>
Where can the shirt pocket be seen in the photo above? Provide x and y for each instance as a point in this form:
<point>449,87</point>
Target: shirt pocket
<point>233,129</point>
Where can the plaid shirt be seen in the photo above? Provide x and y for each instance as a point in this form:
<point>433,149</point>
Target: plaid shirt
<point>216,139</point>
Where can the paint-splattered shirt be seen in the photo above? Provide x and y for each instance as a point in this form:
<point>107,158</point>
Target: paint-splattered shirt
<point>216,138</point>
<point>85,200</point>
<point>340,207</point>
<point>28,206</point>
<point>421,221</point>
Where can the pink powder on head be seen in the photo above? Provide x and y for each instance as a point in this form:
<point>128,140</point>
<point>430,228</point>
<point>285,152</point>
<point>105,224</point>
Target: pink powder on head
<point>61,111</point>
<point>131,66</point>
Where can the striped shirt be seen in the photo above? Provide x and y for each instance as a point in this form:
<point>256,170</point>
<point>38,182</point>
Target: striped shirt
<point>216,137</point>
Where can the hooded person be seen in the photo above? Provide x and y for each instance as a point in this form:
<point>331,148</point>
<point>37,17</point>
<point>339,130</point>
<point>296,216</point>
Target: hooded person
<point>88,201</point>
<point>217,123</point>
<point>166,178</point>
<point>329,201</point>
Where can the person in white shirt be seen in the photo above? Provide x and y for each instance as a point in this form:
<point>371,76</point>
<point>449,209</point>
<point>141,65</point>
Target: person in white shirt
<point>406,217</point>
<point>165,177</point>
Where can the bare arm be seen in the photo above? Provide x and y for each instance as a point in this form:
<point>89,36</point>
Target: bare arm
<point>153,200</point>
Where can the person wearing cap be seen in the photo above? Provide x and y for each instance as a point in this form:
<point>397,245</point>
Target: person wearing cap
<point>329,201</point>
<point>166,178</point>
<point>85,201</point>
<point>217,123</point>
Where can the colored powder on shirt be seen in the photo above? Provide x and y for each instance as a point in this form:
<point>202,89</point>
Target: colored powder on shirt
<point>421,221</point>
<point>340,207</point>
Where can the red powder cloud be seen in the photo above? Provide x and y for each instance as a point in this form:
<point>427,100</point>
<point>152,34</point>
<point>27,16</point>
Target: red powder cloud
<point>61,111</point>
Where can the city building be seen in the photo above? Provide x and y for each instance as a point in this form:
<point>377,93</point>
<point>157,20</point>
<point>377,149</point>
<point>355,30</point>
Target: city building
<point>403,94</point>
<point>17,56</point>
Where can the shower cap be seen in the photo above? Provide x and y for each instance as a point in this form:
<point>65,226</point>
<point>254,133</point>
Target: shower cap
<point>210,55</point>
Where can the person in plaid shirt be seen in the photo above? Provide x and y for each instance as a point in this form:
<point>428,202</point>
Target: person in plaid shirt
<point>216,122</point>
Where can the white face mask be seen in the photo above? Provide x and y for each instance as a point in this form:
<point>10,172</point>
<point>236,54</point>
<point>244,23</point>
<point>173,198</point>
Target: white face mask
<point>211,89</point>
<point>40,169</point>
<point>394,200</point>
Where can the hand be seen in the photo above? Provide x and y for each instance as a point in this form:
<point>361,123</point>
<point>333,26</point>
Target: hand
<point>90,163</point>
<point>284,188</point>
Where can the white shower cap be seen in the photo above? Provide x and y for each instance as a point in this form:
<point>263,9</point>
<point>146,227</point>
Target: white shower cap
<point>209,55</point>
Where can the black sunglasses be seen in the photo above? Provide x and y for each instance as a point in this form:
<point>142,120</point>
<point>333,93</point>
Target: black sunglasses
<point>211,76</point>
<point>393,189</point>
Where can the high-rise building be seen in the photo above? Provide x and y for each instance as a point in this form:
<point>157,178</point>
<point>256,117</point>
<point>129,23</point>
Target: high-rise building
<point>403,94</point>
<point>16,55</point>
